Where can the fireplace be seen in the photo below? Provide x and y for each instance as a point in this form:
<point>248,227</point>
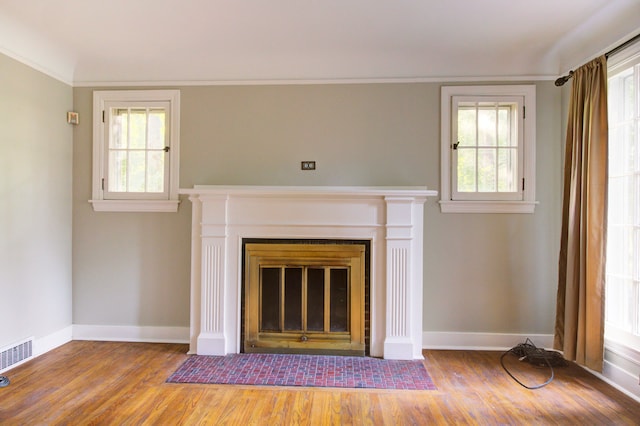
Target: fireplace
<point>391,219</point>
<point>305,296</point>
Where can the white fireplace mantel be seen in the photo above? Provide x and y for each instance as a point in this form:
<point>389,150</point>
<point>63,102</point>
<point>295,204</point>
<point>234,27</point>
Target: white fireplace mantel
<point>390,217</point>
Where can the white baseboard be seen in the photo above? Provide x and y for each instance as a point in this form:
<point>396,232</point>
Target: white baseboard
<point>618,375</point>
<point>481,341</point>
<point>123,333</point>
<point>620,379</point>
<point>45,344</point>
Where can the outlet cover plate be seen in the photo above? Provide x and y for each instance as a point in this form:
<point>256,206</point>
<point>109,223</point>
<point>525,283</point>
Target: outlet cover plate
<point>308,165</point>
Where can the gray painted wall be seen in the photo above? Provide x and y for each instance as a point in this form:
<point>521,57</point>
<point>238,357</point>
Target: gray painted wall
<point>36,146</point>
<point>483,272</point>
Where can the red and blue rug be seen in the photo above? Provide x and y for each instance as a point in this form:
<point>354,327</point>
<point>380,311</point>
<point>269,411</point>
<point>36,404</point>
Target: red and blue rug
<point>304,370</point>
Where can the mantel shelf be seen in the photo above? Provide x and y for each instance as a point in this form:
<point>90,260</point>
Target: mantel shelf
<point>351,191</point>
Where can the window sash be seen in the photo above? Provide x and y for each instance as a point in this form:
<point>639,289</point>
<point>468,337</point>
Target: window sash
<point>483,150</point>
<point>134,155</point>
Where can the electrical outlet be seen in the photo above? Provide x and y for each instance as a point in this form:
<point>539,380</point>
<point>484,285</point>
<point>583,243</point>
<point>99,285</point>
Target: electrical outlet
<point>308,165</point>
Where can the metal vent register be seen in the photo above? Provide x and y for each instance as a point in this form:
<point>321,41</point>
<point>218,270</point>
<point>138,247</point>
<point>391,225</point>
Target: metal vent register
<point>16,353</point>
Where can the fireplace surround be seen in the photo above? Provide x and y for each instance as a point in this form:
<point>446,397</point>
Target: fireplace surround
<point>391,218</point>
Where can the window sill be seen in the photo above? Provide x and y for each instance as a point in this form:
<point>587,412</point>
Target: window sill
<point>488,206</point>
<point>622,342</point>
<point>140,206</point>
<point>625,350</point>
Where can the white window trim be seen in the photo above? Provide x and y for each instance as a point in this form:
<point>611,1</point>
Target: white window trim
<point>528,203</point>
<point>622,342</point>
<point>132,205</point>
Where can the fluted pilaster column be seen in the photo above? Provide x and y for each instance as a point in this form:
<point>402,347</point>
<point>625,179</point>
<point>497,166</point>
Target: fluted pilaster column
<point>403,337</point>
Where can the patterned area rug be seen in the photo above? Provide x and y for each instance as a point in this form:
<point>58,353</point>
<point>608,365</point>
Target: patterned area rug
<point>304,370</point>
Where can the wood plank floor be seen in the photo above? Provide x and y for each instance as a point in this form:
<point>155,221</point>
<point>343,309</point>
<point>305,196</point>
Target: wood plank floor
<point>107,383</point>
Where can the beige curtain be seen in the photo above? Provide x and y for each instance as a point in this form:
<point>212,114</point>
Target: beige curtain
<point>579,330</point>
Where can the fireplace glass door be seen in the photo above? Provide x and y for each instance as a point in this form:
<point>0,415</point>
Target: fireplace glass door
<point>304,298</point>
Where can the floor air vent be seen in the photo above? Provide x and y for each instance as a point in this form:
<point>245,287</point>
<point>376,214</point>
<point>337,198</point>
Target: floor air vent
<point>16,353</point>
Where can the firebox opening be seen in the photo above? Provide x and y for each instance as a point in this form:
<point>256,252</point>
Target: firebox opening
<point>305,296</point>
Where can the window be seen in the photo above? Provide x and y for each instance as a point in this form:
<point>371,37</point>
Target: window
<point>488,149</point>
<point>622,297</point>
<point>136,150</point>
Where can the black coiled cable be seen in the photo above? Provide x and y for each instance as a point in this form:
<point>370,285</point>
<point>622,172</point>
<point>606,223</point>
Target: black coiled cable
<point>529,352</point>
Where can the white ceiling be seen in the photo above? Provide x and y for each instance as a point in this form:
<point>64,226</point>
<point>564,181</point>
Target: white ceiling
<point>86,42</point>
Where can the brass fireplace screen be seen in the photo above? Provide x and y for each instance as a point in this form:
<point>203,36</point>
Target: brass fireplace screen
<point>304,298</point>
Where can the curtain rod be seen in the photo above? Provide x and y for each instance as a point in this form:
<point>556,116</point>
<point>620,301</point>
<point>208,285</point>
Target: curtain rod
<point>562,80</point>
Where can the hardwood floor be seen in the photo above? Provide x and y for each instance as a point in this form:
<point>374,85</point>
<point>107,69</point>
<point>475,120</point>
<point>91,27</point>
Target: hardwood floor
<point>107,383</point>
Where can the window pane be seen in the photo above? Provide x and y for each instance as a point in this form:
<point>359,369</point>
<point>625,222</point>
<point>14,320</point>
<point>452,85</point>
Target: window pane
<point>636,249</point>
<point>138,128</point>
<point>615,246</point>
<point>507,170</point>
<point>467,126</point>
<point>635,200</point>
<point>620,295</point>
<point>487,170</point>
<point>635,150</point>
<point>466,170</point>
<point>155,171</point>
<point>628,103</point>
<point>628,207</point>
<point>117,171</point>
<point>616,198</point>
<point>616,151</point>
<point>119,128</point>
<point>629,143</point>
<point>156,129</point>
<point>504,128</point>
<point>487,127</point>
<point>136,171</point>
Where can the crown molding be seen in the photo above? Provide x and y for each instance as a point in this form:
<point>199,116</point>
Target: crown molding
<point>292,81</point>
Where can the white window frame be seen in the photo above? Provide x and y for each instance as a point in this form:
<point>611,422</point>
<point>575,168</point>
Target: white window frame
<point>489,202</point>
<point>624,342</point>
<point>134,202</point>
